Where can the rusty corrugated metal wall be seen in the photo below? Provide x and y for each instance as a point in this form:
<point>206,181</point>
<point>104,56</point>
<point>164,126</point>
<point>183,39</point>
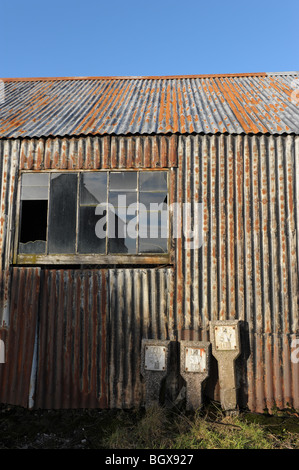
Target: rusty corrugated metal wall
<point>87,326</point>
<point>248,266</point>
<point>246,269</point>
<point>15,374</point>
<point>9,165</point>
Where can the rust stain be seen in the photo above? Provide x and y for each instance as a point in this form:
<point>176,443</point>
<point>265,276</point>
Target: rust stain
<point>232,99</point>
<point>181,110</point>
<point>236,178</point>
<point>145,105</point>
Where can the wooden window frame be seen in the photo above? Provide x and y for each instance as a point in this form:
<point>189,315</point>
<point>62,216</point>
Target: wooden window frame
<point>94,258</point>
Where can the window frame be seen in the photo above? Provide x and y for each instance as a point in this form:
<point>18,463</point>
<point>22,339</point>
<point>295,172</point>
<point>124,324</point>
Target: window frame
<point>93,258</point>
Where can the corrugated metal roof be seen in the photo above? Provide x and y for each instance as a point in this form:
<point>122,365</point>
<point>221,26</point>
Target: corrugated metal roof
<point>234,104</point>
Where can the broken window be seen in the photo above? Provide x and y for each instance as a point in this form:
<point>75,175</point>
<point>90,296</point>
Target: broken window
<point>101,212</point>
<point>34,210</point>
<point>122,212</point>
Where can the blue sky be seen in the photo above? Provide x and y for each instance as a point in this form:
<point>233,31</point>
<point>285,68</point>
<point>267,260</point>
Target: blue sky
<point>136,38</point>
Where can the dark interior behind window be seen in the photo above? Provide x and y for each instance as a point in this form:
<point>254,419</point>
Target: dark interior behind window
<point>33,233</point>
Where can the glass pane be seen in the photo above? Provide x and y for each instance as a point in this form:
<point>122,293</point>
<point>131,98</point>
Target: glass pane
<point>125,180</point>
<point>153,225</point>
<point>122,232</point>
<point>122,199</point>
<point>89,242</point>
<point>62,216</point>
<point>125,245</point>
<point>153,245</point>
<point>153,181</point>
<point>153,232</point>
<point>154,198</point>
<point>38,247</point>
<point>35,179</point>
<point>34,192</point>
<point>93,188</point>
<point>35,186</point>
<point>122,245</point>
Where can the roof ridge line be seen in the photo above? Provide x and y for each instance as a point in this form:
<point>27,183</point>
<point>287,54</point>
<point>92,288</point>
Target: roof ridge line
<point>154,77</point>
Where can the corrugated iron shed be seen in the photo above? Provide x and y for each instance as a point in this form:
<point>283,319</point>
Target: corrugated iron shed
<point>234,104</point>
<point>73,333</point>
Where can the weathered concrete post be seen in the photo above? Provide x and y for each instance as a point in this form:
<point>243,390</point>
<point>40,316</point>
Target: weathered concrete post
<point>225,338</point>
<point>194,366</point>
<point>154,368</point>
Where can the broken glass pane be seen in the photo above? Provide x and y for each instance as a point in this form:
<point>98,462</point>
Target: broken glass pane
<point>93,188</point>
<point>122,246</point>
<point>37,247</point>
<point>153,245</point>
<point>62,213</point>
<point>122,234</point>
<point>154,198</point>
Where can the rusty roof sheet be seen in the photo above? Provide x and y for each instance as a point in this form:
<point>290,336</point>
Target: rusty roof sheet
<point>265,103</point>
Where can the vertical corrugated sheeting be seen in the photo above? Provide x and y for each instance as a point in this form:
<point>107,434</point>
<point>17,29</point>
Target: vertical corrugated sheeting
<point>88,326</point>
<point>15,374</point>
<point>9,163</point>
<point>73,365</point>
<point>91,153</point>
<point>90,331</point>
<point>246,269</point>
<point>139,308</point>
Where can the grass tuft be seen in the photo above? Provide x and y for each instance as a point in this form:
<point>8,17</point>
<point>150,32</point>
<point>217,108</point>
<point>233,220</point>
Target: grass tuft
<point>163,429</point>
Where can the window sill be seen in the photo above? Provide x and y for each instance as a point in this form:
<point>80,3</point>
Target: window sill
<point>30,259</point>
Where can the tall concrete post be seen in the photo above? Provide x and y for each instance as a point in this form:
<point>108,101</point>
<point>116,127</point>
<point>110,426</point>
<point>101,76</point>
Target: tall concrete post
<point>194,367</point>
<point>225,339</point>
<point>154,368</point>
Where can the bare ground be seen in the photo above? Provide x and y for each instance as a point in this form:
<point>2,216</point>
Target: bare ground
<point>96,429</point>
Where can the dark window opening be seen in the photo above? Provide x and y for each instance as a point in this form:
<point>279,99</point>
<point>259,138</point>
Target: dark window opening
<point>33,234</point>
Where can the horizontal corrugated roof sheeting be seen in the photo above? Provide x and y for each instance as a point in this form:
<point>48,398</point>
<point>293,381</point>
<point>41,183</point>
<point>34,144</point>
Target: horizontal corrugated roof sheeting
<point>234,104</point>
